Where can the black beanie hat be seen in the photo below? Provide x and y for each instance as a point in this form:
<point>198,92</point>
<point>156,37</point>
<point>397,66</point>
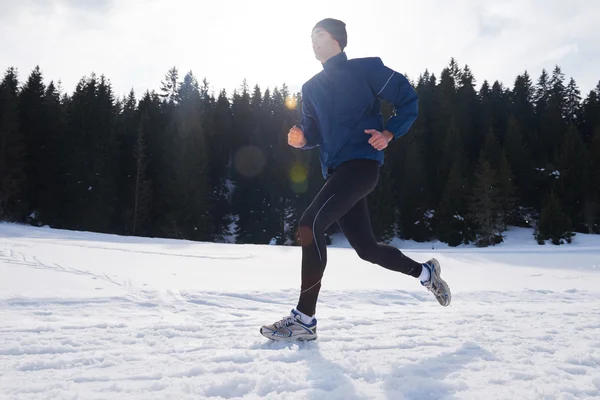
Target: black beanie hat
<point>336,28</point>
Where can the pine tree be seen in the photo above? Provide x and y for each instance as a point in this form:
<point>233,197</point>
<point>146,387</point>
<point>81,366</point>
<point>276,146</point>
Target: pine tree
<point>500,103</point>
<point>169,87</point>
<point>555,122</point>
<point>554,224</point>
<point>522,98</point>
<point>540,143</point>
<point>590,119</point>
<point>411,193</point>
<point>522,123</point>
<point>219,155</point>
<point>91,168</point>
<point>492,150</point>
<point>51,185</point>
<point>507,194</point>
<point>13,151</point>
<point>249,162</point>
<point>485,206</point>
<point>485,124</point>
<point>517,155</point>
<point>591,207</point>
<point>450,217</point>
<point>442,111</point>
<point>572,165</point>
<point>154,117</point>
<point>454,148</point>
<point>465,124</point>
<point>143,186</point>
<point>32,125</point>
<point>187,206</point>
<point>572,109</point>
<point>127,131</point>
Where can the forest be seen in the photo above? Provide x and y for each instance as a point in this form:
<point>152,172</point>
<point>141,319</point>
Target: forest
<point>184,162</point>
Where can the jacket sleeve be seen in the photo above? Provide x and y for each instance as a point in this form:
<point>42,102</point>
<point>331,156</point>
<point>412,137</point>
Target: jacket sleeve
<point>308,123</point>
<point>394,88</point>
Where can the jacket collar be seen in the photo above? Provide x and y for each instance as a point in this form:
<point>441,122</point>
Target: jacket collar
<point>335,61</point>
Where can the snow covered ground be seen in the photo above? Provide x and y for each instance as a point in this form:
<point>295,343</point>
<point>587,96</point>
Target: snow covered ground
<point>88,316</point>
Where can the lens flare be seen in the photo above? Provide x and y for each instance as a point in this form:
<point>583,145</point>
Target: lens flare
<point>291,102</point>
<point>249,161</point>
<point>298,173</point>
<point>301,187</point>
<point>298,176</point>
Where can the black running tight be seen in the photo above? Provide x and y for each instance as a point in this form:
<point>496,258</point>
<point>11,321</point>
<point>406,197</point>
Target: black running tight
<point>343,200</point>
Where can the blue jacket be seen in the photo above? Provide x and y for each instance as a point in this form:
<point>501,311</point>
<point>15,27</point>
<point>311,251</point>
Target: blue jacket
<point>343,100</point>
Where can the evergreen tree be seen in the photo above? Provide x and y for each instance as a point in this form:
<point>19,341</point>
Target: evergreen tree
<point>450,218</point>
<point>91,168</point>
<point>572,109</point>
<point>507,194</point>
<point>522,106</point>
<point>540,143</point>
<point>248,161</point>
<point>592,180</point>
<point>517,157</point>
<point>169,87</point>
<point>492,150</point>
<point>485,206</point>
<point>32,125</point>
<point>51,187</point>
<point>127,132</point>
<point>13,151</point>
<point>555,121</point>
<point>142,186</point>
<point>554,224</point>
<point>465,124</point>
<point>220,154</point>
<point>412,193</point>
<point>500,103</point>
<point>590,119</point>
<point>572,187</point>
<point>186,205</point>
<point>442,112</point>
<point>154,114</point>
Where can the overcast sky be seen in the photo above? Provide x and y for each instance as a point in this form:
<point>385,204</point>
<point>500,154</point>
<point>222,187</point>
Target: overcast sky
<point>135,42</point>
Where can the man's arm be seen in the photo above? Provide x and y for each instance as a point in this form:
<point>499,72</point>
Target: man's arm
<point>308,123</point>
<point>394,88</point>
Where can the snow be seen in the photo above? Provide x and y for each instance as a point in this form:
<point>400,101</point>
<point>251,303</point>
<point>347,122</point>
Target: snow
<point>90,316</point>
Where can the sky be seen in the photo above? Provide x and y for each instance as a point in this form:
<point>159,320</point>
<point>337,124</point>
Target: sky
<point>267,42</point>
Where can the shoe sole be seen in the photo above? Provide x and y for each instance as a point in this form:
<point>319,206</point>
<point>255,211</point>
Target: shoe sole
<point>445,302</point>
<point>289,339</point>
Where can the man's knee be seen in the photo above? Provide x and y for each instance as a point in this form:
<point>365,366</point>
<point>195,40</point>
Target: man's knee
<point>306,226</point>
<point>306,220</point>
<point>367,253</point>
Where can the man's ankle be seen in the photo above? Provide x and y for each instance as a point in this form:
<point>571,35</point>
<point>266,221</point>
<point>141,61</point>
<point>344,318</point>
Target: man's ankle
<point>307,319</point>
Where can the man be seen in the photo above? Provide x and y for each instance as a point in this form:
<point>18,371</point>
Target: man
<point>341,115</point>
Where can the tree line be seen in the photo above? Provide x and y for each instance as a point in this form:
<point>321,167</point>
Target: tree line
<point>186,163</point>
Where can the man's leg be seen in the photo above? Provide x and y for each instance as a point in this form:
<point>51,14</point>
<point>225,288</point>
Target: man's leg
<point>341,192</point>
<point>356,225</point>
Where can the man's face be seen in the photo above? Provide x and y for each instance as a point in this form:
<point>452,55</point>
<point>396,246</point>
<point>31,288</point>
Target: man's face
<point>324,45</point>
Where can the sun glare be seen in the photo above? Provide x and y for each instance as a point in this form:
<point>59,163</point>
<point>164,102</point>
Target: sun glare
<point>291,102</point>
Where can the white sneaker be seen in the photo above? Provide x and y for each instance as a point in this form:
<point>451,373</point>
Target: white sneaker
<point>290,328</point>
<point>436,284</point>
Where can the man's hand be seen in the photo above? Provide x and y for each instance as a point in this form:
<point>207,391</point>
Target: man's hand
<point>378,139</point>
<point>296,137</point>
